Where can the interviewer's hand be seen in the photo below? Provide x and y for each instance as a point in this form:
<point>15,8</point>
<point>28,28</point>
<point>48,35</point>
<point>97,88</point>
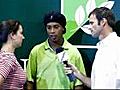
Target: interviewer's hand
<point>67,69</point>
<point>79,75</point>
<point>72,69</point>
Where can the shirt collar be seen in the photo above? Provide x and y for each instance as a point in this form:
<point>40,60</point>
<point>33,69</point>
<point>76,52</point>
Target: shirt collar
<point>47,46</point>
<point>108,40</point>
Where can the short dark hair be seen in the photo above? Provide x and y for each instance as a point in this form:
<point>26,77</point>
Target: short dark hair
<point>55,17</point>
<point>104,12</point>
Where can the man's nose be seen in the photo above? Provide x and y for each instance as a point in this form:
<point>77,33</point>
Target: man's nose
<point>52,30</point>
<point>90,27</point>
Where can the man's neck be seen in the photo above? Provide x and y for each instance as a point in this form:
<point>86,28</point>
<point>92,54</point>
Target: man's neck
<point>105,33</point>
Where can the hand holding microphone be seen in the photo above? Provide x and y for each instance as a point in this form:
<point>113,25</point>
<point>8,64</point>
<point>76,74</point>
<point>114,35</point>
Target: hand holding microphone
<point>63,57</point>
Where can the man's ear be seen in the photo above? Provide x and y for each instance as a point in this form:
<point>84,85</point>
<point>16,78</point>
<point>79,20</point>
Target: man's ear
<point>103,22</point>
<point>64,30</point>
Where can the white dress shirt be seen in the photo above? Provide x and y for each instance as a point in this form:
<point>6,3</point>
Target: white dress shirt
<point>106,67</point>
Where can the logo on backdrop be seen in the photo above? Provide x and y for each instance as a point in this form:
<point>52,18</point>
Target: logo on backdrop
<point>76,12</point>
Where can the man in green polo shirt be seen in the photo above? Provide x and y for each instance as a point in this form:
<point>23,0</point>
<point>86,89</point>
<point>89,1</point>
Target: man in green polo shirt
<point>44,69</point>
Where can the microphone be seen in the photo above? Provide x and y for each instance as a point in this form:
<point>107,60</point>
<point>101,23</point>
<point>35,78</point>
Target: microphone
<point>63,57</point>
<point>60,53</point>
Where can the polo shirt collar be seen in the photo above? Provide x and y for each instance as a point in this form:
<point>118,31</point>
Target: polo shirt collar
<point>47,46</point>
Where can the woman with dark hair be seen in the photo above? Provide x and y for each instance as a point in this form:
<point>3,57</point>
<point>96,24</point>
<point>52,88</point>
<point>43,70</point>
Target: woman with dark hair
<point>12,75</point>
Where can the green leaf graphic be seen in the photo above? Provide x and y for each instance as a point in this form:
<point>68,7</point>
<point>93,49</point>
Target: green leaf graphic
<point>69,10</point>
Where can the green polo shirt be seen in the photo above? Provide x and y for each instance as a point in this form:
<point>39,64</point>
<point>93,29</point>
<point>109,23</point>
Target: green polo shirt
<point>49,71</point>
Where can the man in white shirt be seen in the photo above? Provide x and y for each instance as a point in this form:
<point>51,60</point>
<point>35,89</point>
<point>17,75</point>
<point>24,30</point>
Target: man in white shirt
<point>106,66</point>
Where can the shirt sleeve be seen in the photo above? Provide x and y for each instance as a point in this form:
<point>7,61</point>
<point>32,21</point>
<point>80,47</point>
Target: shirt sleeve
<point>31,67</point>
<point>76,59</point>
<point>5,66</point>
<point>80,66</point>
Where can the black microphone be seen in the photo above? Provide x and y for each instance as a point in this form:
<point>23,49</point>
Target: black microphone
<point>63,57</point>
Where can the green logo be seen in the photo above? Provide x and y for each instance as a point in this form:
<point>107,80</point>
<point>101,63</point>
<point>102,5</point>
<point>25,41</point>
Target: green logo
<point>76,12</point>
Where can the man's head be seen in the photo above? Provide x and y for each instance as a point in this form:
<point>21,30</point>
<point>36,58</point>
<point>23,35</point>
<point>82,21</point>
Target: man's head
<point>99,18</point>
<point>55,17</point>
<point>55,23</point>
<point>106,13</point>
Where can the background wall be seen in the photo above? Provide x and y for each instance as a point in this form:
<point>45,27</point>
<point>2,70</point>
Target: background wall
<point>30,13</point>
